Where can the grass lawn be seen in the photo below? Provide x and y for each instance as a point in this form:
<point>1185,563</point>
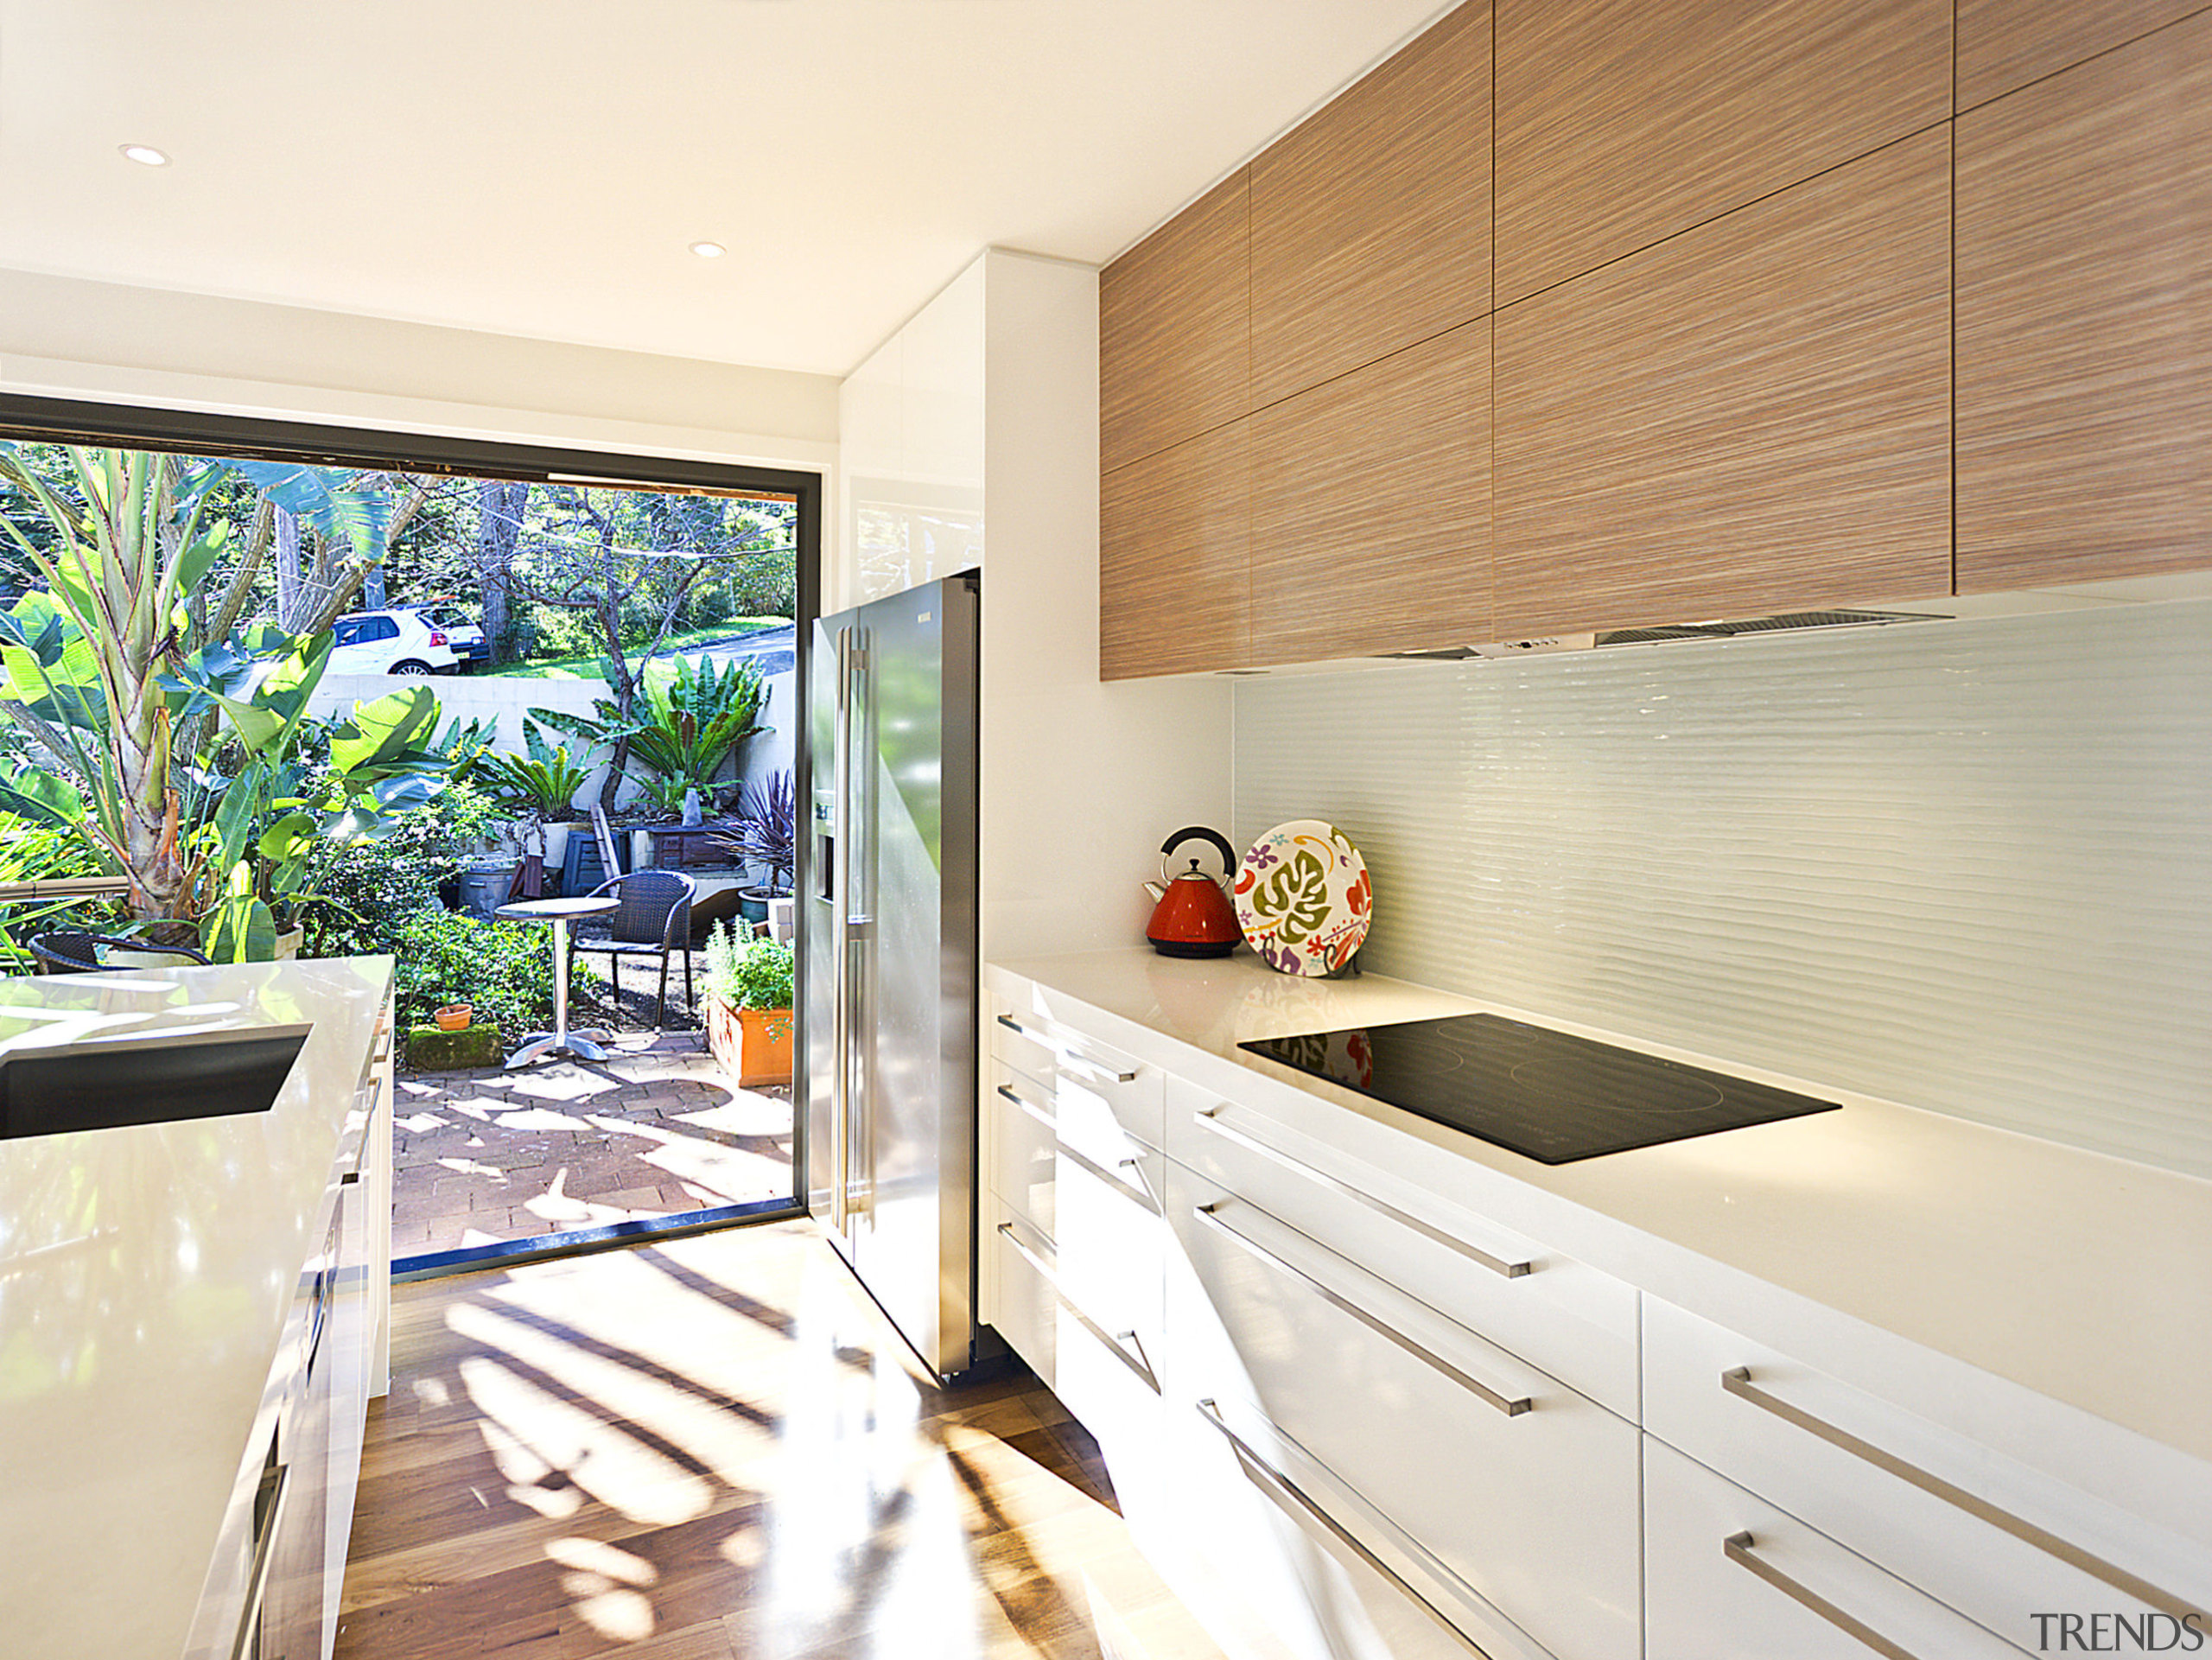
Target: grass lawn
<point>586,667</point>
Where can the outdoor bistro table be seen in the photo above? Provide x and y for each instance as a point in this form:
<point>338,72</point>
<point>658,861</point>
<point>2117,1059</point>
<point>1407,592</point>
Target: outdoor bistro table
<point>557,914</point>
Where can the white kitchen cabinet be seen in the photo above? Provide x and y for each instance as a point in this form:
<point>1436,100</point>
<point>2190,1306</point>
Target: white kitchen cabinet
<point>1801,1481</point>
<point>1023,1145</point>
<point>1732,1577</point>
<point>1516,1494</point>
<point>1970,1527</point>
<point>1024,1305</point>
<point>1351,1186</point>
<point>1071,1134</point>
<point>273,1592</point>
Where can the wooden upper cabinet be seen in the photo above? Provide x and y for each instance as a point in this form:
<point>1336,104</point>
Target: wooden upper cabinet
<point>1620,122</point>
<point>1174,329</point>
<point>1174,534</point>
<point>2005,44</point>
<point>2085,320</point>
<point>1752,417</point>
<point>1371,507</point>
<point>1371,222</point>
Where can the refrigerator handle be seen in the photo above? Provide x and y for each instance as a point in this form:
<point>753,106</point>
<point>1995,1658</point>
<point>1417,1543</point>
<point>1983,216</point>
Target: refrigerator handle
<point>859,922</point>
<point>841,875</point>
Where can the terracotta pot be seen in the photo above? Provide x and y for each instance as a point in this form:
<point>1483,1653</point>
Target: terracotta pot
<point>454,1017</point>
<point>752,1045</point>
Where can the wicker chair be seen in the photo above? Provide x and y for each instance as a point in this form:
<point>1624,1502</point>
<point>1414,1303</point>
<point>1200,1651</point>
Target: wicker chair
<point>652,919</point>
<point>80,953</point>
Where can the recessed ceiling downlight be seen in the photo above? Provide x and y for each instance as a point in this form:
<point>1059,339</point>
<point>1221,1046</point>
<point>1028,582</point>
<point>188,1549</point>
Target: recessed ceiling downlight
<point>144,154</point>
<point>708,249</point>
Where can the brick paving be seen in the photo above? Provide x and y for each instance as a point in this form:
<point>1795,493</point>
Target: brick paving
<point>657,1129</point>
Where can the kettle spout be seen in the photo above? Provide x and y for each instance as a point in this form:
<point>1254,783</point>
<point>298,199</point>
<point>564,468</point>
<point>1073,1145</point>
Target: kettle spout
<point>1157,891</point>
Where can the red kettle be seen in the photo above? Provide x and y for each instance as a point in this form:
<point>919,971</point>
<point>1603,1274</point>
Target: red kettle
<point>1193,917</point>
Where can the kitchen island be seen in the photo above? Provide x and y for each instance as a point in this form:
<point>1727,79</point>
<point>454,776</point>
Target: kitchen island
<point>1790,1313</point>
<point>191,1318</point>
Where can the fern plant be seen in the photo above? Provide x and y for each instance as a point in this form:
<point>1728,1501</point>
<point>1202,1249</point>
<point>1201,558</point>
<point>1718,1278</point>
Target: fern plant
<point>544,780</point>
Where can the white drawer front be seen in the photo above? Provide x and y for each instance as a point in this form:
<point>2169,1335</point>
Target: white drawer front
<point>1558,1315</point>
<point>1520,1487</point>
<point>1025,1310</point>
<point>1111,1257</point>
<point>1861,1469</point>
<point>1783,1590</point>
<point>1024,1144</point>
<point>1101,1095</point>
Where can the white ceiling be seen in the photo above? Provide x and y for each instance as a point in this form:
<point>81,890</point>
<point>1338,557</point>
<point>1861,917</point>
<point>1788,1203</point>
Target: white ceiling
<point>540,167</point>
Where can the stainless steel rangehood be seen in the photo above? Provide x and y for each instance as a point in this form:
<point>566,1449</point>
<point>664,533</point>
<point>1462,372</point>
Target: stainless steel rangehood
<point>2086,596</point>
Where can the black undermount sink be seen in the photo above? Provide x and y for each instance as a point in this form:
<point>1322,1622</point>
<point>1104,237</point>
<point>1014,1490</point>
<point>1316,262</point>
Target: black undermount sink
<point>151,1079</point>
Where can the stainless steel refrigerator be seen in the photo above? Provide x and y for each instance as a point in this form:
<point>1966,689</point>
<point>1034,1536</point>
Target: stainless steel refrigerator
<point>887,950</point>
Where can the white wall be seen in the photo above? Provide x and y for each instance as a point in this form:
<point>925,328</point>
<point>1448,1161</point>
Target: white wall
<point>1081,781</point>
<point>1966,866</point>
<point>65,337</point>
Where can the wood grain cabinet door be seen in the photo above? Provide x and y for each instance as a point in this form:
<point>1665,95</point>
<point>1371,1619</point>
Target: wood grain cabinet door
<point>1371,507</point>
<point>1752,417</point>
<point>1371,222</point>
<point>1174,329</point>
<point>1174,547</point>
<point>1620,122</point>
<point>2005,44</point>
<point>2085,320</point>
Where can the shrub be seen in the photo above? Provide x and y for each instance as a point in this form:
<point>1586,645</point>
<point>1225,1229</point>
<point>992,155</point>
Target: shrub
<point>368,891</point>
<point>752,973</point>
<point>506,969</point>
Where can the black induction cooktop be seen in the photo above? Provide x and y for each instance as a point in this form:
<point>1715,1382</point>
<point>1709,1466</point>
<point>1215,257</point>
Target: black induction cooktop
<point>1546,1094</point>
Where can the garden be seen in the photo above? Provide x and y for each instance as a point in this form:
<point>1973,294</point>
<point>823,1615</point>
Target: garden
<point>169,778</point>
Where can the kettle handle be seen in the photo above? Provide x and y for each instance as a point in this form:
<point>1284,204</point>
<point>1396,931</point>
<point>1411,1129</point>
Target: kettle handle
<point>1198,833</point>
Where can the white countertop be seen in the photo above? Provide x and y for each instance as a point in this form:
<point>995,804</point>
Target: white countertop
<point>145,1276</point>
<point>2084,1278</point>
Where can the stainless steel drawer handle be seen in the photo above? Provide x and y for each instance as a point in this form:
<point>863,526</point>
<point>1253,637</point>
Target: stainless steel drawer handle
<point>1292,1501</point>
<point>1032,1109</point>
<point>1060,1047</point>
<point>1737,1548</point>
<point>1139,1194</point>
<point>1738,1382</point>
<point>1136,1167</point>
<point>1512,1407</point>
<point>1211,1119</point>
<point>1115,1347</point>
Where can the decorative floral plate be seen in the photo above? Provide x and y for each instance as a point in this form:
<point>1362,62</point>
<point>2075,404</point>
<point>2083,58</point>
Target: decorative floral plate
<point>1303,899</point>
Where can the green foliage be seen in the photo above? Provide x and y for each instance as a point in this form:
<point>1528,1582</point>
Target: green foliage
<point>504,969</point>
<point>191,768</point>
<point>367,890</point>
<point>31,852</point>
<point>752,973</point>
<point>545,781</point>
<point>463,746</point>
<point>687,729</point>
<point>684,730</point>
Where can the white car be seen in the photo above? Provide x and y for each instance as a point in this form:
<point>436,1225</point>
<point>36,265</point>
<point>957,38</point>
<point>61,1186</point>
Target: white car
<point>461,631</point>
<point>390,642</point>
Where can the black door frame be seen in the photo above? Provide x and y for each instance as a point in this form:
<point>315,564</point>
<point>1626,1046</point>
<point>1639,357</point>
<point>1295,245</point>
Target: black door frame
<point>55,420</point>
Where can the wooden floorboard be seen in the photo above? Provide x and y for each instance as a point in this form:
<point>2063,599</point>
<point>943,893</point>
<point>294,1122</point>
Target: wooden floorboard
<point>716,1449</point>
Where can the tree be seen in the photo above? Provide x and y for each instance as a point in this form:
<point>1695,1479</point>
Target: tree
<point>500,506</point>
<point>580,562</point>
<point>177,730</point>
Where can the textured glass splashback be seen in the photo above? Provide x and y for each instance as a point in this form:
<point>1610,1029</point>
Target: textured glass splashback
<point>1966,866</point>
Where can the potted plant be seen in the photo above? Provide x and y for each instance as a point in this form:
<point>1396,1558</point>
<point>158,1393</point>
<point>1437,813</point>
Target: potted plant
<point>766,833</point>
<point>745,1005</point>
